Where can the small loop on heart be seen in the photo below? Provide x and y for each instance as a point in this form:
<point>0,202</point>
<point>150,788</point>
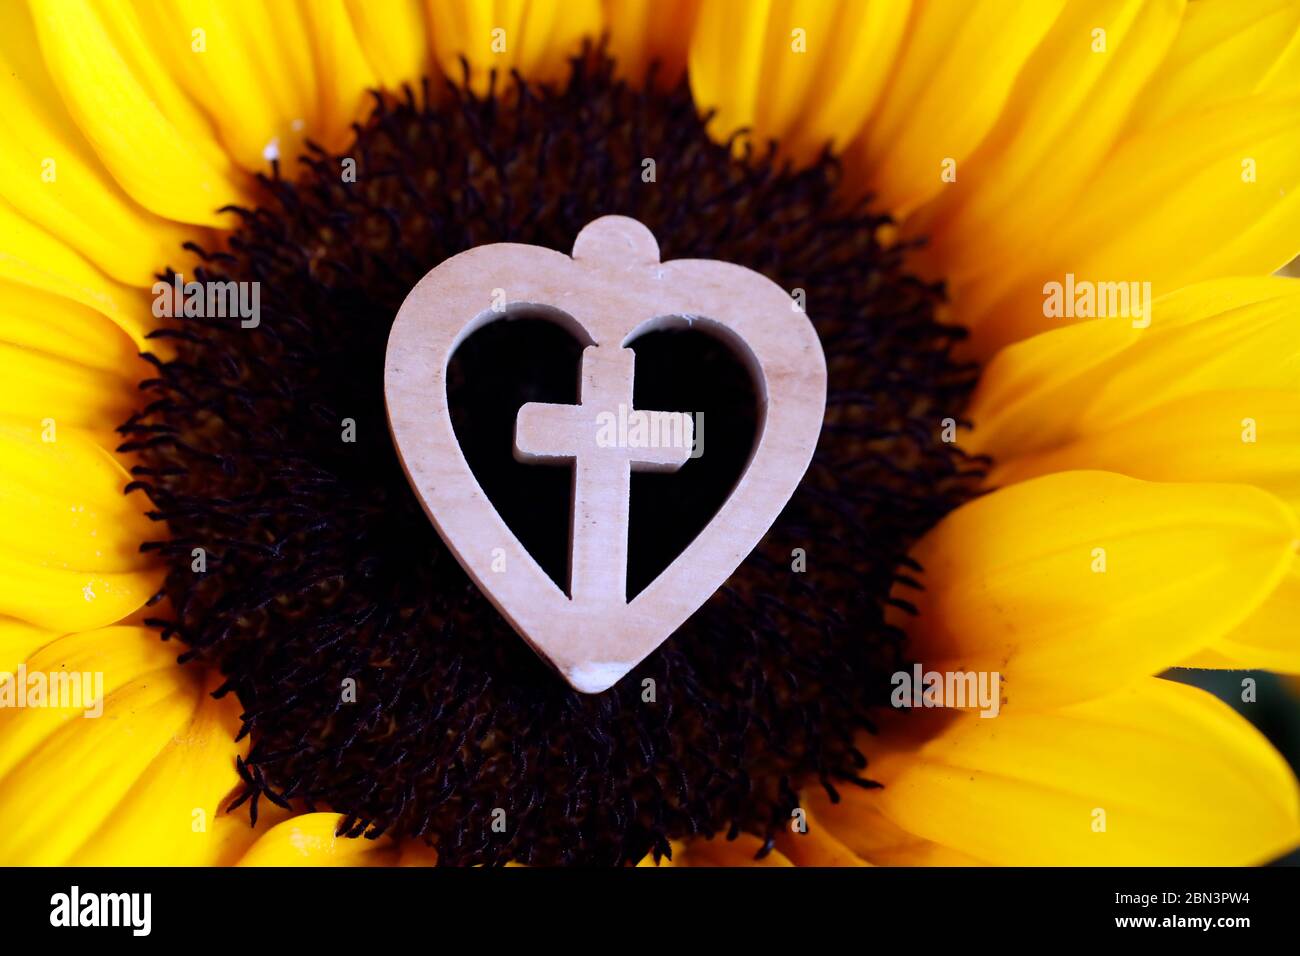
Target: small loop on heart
<point>616,240</point>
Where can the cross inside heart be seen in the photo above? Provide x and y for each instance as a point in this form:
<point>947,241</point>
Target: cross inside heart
<point>612,289</point>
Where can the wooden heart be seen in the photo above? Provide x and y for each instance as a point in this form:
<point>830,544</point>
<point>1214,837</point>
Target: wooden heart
<point>613,289</point>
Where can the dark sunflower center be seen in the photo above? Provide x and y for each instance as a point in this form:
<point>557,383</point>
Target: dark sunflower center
<point>376,680</point>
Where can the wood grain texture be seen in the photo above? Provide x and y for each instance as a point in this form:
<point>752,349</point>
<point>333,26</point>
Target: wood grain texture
<point>611,290</point>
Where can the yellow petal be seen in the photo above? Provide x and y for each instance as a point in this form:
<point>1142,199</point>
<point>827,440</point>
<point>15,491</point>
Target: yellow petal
<point>67,600</point>
<point>311,839</point>
<point>37,388</point>
<point>70,557</point>
<point>1065,112</point>
<point>1074,584</point>
<point>122,654</point>
<point>948,87</point>
<point>857,824</point>
<point>176,814</point>
<point>1207,658</point>
<point>19,641</point>
<point>129,27</point>
<point>121,787</point>
<point>149,149</point>
<point>54,326</point>
<point>1269,639</point>
<point>1094,376</point>
<point>1212,193</point>
<point>50,175</point>
<point>64,362</point>
<point>642,32</point>
<point>344,70</point>
<point>1247,436</point>
<point>806,73</point>
<point>534,37</point>
<point>258,55</point>
<point>394,38</point>
<point>818,845</point>
<point>62,506</point>
<point>1225,50</point>
<point>1176,778</point>
<point>31,257</point>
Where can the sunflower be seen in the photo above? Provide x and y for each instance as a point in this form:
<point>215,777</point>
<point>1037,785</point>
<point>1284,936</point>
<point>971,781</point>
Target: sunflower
<point>1062,447</point>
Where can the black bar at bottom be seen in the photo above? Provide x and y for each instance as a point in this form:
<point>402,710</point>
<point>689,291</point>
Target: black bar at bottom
<point>601,909</point>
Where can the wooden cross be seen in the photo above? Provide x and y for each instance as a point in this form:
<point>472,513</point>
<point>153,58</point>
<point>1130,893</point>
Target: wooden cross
<point>602,472</point>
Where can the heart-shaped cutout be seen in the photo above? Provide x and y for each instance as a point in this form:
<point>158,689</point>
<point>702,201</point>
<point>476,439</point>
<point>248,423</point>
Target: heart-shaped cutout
<point>613,289</point>
<point>508,363</point>
<point>687,370</point>
<point>492,374</point>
